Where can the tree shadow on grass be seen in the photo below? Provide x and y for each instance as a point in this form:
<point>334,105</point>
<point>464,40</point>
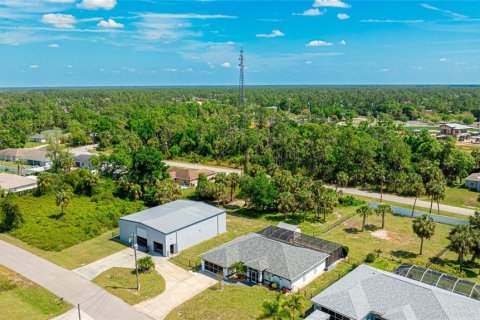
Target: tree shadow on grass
<point>371,227</point>
<point>403,254</point>
<point>471,269</point>
<point>120,287</point>
<point>57,215</point>
<point>351,230</point>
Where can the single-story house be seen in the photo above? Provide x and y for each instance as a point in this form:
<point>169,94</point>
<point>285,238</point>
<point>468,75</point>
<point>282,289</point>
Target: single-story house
<point>458,131</point>
<point>371,294</point>
<point>43,136</point>
<point>31,156</point>
<point>472,182</point>
<point>15,183</point>
<point>84,160</point>
<point>170,228</point>
<point>189,177</point>
<point>269,258</point>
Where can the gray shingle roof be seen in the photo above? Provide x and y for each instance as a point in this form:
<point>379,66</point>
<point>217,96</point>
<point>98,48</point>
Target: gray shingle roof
<point>261,253</point>
<point>456,126</point>
<point>366,290</point>
<point>473,177</point>
<point>318,315</point>
<point>175,215</point>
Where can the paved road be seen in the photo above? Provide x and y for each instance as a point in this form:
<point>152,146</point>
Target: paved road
<point>200,166</point>
<point>94,301</point>
<point>83,149</point>
<point>408,201</point>
<point>180,285</point>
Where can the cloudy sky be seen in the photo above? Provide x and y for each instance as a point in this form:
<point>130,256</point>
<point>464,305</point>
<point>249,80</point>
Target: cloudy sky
<point>162,42</point>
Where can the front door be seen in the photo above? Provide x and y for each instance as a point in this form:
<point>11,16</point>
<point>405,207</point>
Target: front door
<point>253,277</point>
<point>172,249</point>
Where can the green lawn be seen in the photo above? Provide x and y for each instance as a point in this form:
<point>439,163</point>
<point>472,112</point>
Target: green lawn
<point>31,144</point>
<point>22,299</point>
<point>402,243</point>
<point>47,229</point>
<point>461,197</point>
<point>77,255</point>
<point>234,302</point>
<point>122,283</point>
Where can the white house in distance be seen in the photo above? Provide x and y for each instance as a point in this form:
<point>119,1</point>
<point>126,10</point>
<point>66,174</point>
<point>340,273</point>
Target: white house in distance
<point>167,229</point>
<point>15,183</point>
<point>274,255</point>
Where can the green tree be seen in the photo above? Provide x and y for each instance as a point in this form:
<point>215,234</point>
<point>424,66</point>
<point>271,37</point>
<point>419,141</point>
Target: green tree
<point>461,241</point>
<point>274,309</point>
<point>91,181</point>
<point>436,190</point>
<point>415,186</point>
<point>383,209</point>
<point>364,211</point>
<point>63,197</point>
<point>11,217</point>
<point>286,203</point>
<point>296,305</point>
<point>424,228</point>
<point>220,192</point>
<point>263,192</point>
<point>147,166</point>
<point>341,180</point>
<point>205,189</point>
<point>238,268</point>
<point>145,264</point>
<point>167,191</point>
<point>233,181</point>
<point>327,202</point>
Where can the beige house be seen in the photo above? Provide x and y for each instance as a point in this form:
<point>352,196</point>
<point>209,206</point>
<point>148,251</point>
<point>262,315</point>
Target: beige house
<point>458,131</point>
<point>189,177</point>
<point>31,156</point>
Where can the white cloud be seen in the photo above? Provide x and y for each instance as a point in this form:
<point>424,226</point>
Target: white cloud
<point>226,65</point>
<point>170,70</point>
<point>319,43</point>
<point>391,21</point>
<point>58,20</point>
<point>69,66</point>
<point>230,43</point>
<point>273,34</point>
<point>110,24</point>
<point>449,13</point>
<point>442,60</point>
<point>53,45</point>
<point>384,70</point>
<point>191,16</point>
<point>308,62</point>
<point>343,16</point>
<point>309,13</point>
<point>97,4</point>
<point>342,42</point>
<point>34,66</point>
<point>331,3</point>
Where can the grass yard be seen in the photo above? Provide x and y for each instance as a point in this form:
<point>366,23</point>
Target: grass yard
<point>234,302</point>
<point>76,255</point>
<point>398,240</point>
<point>22,299</point>
<point>122,283</point>
<point>461,197</point>
<point>84,219</point>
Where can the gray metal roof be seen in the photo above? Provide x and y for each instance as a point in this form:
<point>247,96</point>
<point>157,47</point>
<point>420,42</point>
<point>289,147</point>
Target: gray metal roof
<point>368,290</point>
<point>175,215</point>
<point>456,126</point>
<point>261,253</point>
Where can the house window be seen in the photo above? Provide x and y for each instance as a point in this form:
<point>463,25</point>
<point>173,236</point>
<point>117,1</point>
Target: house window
<point>213,267</point>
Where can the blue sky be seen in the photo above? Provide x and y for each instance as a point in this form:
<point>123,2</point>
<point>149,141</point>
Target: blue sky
<point>161,42</point>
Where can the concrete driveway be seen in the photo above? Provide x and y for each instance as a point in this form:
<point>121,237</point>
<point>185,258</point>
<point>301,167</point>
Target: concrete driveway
<point>201,166</point>
<point>181,285</point>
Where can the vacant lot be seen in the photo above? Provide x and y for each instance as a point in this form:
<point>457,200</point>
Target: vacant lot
<point>46,228</point>
<point>22,299</point>
<point>122,283</point>
<point>77,255</point>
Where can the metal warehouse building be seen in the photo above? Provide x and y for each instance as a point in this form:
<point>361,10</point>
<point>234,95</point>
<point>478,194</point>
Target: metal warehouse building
<point>172,227</point>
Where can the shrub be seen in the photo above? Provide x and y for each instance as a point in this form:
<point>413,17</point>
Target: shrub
<point>370,257</point>
<point>145,264</point>
<point>274,285</point>
<point>350,201</point>
<point>345,251</point>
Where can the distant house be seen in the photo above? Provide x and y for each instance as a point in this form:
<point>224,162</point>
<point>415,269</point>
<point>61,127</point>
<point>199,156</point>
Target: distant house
<point>189,177</point>
<point>43,136</point>
<point>169,228</point>
<point>16,183</point>
<point>273,255</point>
<point>458,131</point>
<point>473,181</point>
<point>84,160</point>
<point>32,157</point>
<point>368,293</point>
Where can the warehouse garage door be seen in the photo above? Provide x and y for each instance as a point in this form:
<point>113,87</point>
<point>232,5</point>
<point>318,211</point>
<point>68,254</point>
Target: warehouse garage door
<point>142,242</point>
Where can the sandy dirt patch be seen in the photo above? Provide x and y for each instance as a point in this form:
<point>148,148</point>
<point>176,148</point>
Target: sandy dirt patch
<point>382,234</point>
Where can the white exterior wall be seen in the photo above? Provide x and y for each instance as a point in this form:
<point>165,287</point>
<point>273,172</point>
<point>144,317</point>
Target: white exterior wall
<point>273,278</point>
<point>181,239</point>
<point>309,275</point>
<point>23,188</point>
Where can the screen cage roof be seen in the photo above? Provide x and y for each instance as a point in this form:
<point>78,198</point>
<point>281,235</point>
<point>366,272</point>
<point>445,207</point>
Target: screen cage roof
<point>440,280</point>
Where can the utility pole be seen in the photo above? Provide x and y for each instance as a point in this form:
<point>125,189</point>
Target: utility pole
<point>133,240</point>
<point>241,103</point>
<point>79,314</point>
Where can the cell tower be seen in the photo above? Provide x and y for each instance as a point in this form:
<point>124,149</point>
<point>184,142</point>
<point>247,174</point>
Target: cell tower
<point>241,84</point>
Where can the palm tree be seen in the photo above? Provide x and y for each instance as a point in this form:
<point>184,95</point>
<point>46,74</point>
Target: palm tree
<point>45,181</point>
<point>296,304</point>
<point>436,190</point>
<point>274,309</point>
<point>327,202</point>
<point>415,184</point>
<point>475,220</point>
<point>233,181</point>
<point>461,241</point>
<point>424,228</point>
<point>286,203</point>
<point>63,198</point>
<point>364,211</point>
<point>383,209</point>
